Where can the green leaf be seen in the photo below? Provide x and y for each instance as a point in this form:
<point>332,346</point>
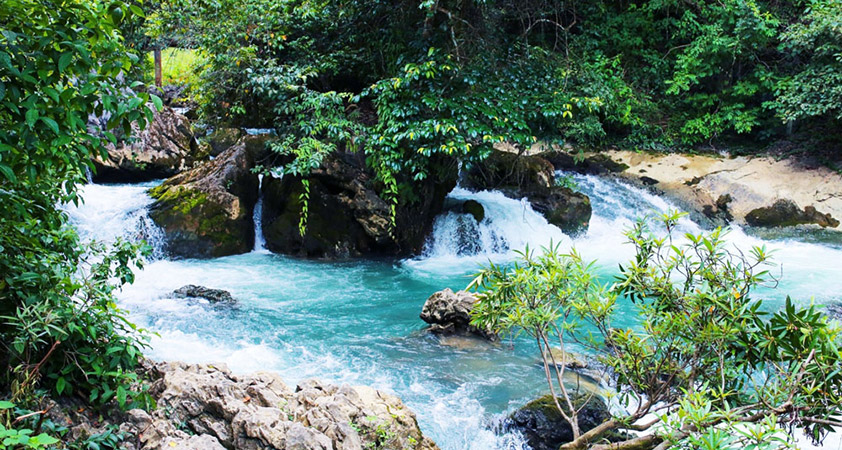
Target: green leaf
<point>159,105</point>
<point>31,117</point>
<point>64,61</point>
<point>8,173</point>
<point>6,405</point>
<point>51,123</point>
<point>61,383</point>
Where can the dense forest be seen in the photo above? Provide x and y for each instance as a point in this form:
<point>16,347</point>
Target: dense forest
<point>417,88</point>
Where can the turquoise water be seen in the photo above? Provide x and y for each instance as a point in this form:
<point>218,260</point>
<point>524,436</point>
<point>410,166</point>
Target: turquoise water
<point>357,321</point>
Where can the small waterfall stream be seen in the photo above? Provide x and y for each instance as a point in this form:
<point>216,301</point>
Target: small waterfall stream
<point>257,217</point>
<point>357,321</point>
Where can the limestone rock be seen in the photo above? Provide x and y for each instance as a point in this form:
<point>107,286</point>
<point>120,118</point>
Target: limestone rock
<point>259,411</point>
<point>449,312</point>
<point>785,213</point>
<point>164,148</point>
<point>207,211</point>
<point>211,295</point>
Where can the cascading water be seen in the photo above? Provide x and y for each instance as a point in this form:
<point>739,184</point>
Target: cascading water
<point>257,216</point>
<point>357,322</point>
<point>109,212</point>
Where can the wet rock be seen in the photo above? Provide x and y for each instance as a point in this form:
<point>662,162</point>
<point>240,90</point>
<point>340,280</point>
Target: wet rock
<point>208,405</point>
<point>211,295</point>
<point>532,177</point>
<point>207,211</point>
<point>784,213</point>
<point>347,216</point>
<point>449,312</point>
<point>569,360</point>
<point>223,138</point>
<point>166,147</point>
<point>543,426</point>
<point>475,209</point>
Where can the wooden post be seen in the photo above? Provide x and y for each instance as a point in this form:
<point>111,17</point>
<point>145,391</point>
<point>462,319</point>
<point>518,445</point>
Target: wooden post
<point>158,75</point>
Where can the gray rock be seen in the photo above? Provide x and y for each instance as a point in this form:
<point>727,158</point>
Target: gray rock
<point>211,295</point>
<point>449,312</point>
<point>259,411</point>
<point>164,148</point>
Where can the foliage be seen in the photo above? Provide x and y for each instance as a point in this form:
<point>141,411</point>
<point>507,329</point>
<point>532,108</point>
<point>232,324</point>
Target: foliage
<point>59,327</point>
<point>705,357</point>
<point>179,66</point>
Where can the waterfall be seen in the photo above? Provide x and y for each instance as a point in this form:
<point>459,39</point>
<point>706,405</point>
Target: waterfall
<point>257,217</point>
<point>108,212</point>
<point>89,176</point>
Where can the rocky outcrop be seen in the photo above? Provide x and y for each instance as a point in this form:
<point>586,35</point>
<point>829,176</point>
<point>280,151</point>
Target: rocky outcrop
<point>543,426</point>
<point>346,215</point>
<point>449,312</point>
<point>533,177</point>
<point>211,295</point>
<point>207,211</point>
<point>206,406</point>
<point>475,209</point>
<point>164,148</point>
<point>758,191</point>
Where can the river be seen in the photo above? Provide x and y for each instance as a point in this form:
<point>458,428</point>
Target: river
<point>357,321</point>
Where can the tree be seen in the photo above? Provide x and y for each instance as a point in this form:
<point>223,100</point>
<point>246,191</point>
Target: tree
<point>59,327</point>
<point>705,367</point>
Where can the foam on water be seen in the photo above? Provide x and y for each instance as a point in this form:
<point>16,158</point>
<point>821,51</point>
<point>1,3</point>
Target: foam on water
<point>357,322</point>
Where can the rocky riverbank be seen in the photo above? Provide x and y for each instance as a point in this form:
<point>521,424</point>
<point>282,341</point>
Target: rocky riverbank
<point>206,407</point>
<point>757,191</point>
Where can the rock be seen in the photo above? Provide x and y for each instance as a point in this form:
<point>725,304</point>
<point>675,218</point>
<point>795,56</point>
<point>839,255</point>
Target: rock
<point>569,360</point>
<point>834,311</point>
<point>259,411</point>
<point>223,138</point>
<point>449,312</point>
<point>532,177</point>
<point>475,209</point>
<point>166,147</point>
<point>347,217</point>
<point>760,191</point>
<point>562,207</point>
<point>785,213</point>
<point>207,211</point>
<point>211,295</point>
<point>592,163</point>
<point>544,427</point>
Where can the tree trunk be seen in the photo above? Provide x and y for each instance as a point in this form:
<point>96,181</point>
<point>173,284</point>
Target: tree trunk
<point>158,74</point>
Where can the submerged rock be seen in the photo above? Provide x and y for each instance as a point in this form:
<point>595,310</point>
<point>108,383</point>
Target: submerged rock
<point>449,312</point>
<point>347,216</point>
<point>211,295</point>
<point>164,148</point>
<point>206,406</point>
<point>543,426</point>
<point>207,211</point>
<point>533,177</point>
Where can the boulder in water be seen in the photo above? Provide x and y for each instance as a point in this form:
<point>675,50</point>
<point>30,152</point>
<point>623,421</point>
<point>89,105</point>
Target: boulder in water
<point>259,411</point>
<point>785,213</point>
<point>164,148</point>
<point>533,177</point>
<point>347,216</point>
<point>449,312</point>
<point>475,209</point>
<point>211,295</point>
<point>543,426</point>
<point>207,211</point>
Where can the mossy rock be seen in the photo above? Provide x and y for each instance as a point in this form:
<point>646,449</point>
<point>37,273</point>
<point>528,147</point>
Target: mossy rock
<point>207,211</point>
<point>506,170</point>
<point>544,427</point>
